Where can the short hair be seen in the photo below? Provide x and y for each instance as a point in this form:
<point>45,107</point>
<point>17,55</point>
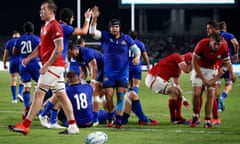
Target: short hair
<point>222,25</point>
<point>66,14</point>
<point>133,34</point>
<point>80,41</point>
<point>71,45</point>
<point>216,36</point>
<point>28,27</point>
<point>213,24</point>
<point>51,5</point>
<point>72,77</point>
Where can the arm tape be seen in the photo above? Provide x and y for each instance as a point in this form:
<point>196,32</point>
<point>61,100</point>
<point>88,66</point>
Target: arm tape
<point>93,30</point>
<point>134,48</point>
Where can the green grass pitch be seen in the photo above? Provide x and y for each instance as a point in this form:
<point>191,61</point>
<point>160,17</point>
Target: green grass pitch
<point>155,107</point>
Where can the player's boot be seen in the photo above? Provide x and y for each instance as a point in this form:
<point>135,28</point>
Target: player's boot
<point>19,127</point>
<point>149,122</point>
<point>72,129</point>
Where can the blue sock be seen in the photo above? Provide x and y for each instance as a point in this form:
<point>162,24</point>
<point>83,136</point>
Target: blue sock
<point>53,116</point>
<point>118,120</point>
<point>26,97</point>
<point>20,89</point>
<point>125,118</point>
<point>136,89</point>
<point>47,109</point>
<point>224,95</point>
<point>137,109</point>
<point>13,90</point>
<point>111,115</point>
<point>95,117</point>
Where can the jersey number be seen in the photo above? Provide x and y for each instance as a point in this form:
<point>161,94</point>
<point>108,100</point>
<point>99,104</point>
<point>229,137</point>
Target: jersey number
<point>26,47</point>
<point>81,100</point>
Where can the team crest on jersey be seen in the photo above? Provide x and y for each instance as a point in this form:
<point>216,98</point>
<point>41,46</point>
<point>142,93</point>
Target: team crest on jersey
<point>106,78</point>
<point>111,40</point>
<point>123,42</point>
<point>219,57</point>
<point>57,33</point>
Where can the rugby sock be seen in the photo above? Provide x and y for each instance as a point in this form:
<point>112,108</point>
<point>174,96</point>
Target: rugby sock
<point>118,119</point>
<point>137,109</point>
<point>111,115</point>
<point>95,117</point>
<point>20,89</point>
<point>53,116</point>
<point>47,109</point>
<point>27,123</point>
<point>224,95</point>
<point>172,105</point>
<point>179,108</point>
<point>71,122</point>
<point>136,89</point>
<point>215,108</point>
<point>26,97</point>
<point>13,90</point>
<point>125,118</point>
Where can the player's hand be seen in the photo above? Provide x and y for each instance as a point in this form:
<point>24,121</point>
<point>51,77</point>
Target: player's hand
<point>95,12</point>
<point>88,14</point>
<point>25,62</point>
<point>185,102</point>
<point>43,69</point>
<point>233,78</point>
<point>136,60</point>
<point>235,58</point>
<point>5,66</point>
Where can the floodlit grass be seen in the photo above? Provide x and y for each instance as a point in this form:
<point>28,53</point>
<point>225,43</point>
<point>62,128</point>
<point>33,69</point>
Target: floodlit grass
<point>155,107</point>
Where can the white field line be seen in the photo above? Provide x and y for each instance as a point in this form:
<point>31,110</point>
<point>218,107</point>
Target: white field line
<point>171,131</point>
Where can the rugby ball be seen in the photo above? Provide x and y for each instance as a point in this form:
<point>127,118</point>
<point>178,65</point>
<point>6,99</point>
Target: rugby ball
<point>97,137</point>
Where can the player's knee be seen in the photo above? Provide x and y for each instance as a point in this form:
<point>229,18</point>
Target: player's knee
<point>27,84</point>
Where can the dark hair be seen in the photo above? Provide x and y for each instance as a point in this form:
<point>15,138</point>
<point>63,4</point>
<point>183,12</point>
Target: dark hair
<point>51,5</point>
<point>80,41</point>
<point>213,24</point>
<point>71,45</point>
<point>216,36</point>
<point>72,77</point>
<point>28,27</point>
<point>66,14</point>
<point>114,22</point>
<point>133,34</point>
<point>222,25</point>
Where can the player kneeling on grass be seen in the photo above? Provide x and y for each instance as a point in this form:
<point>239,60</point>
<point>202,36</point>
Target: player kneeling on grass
<point>80,96</point>
<point>159,75</point>
<point>132,103</point>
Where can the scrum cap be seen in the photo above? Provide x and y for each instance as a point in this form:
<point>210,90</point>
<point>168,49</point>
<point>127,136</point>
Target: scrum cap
<point>114,22</point>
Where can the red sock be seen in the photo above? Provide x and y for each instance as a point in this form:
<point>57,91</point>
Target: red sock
<point>172,105</point>
<point>179,108</point>
<point>207,118</point>
<point>27,123</point>
<point>71,121</point>
<point>215,108</point>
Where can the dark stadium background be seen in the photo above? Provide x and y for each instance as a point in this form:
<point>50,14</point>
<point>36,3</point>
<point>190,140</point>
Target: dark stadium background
<point>13,13</point>
<point>157,34</point>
